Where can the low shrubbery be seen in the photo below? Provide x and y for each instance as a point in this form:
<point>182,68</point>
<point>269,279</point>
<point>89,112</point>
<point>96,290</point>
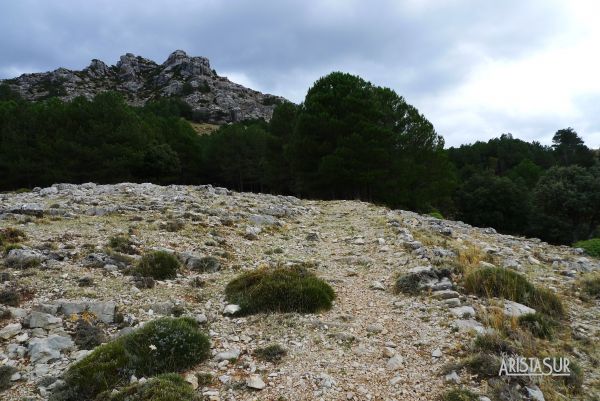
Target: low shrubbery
<point>166,387</point>
<point>280,290</point>
<point>123,244</point>
<point>590,246</point>
<point>538,325</point>
<point>590,285</point>
<point>159,265</point>
<point>505,283</point>
<point>493,344</point>
<point>161,346</point>
<point>5,373</point>
<point>415,282</point>
<point>272,353</point>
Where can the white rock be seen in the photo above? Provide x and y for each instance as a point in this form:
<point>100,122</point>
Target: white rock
<point>452,377</point>
<point>255,382</point>
<point>395,362</point>
<point>227,355</point>
<point>535,394</point>
<point>463,311</point>
<point>514,309</point>
<point>377,285</point>
<point>231,309</point>
<point>437,353</point>
<point>10,330</point>
<point>192,379</point>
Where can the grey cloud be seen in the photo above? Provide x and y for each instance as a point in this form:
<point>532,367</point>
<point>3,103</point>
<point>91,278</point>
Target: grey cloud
<point>421,49</point>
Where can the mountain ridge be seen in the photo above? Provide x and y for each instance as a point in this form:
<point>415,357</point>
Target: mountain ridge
<point>213,98</point>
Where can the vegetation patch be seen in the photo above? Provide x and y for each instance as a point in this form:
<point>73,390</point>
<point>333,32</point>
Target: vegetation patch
<point>590,246</point>
<point>165,387</point>
<point>590,285</point>
<point>5,373</point>
<point>280,290</point>
<point>11,235</point>
<point>88,336</point>
<point>159,265</point>
<point>161,346</point>
<point>493,344</point>
<point>272,353</point>
<point>539,325</point>
<point>10,297</point>
<point>123,244</point>
<point>505,283</point>
<point>414,282</point>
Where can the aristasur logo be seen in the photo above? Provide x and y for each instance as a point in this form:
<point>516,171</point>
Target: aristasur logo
<point>520,366</point>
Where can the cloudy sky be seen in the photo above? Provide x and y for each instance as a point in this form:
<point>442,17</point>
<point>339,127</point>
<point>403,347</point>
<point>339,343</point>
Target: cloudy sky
<point>475,68</point>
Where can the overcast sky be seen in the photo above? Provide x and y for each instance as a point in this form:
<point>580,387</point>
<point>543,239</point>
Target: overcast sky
<point>475,68</point>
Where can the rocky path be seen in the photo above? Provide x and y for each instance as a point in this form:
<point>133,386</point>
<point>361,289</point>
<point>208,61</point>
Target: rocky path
<point>373,344</point>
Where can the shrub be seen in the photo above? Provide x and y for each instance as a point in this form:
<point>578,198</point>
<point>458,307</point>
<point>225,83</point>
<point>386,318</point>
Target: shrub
<point>160,346</point>
<point>459,395</point>
<point>123,244</point>
<point>88,336</point>
<point>538,324</point>
<point>10,297</point>
<point>574,380</point>
<point>483,365</point>
<point>280,290</point>
<point>5,373</point>
<point>493,344</point>
<point>590,246</point>
<point>165,387</point>
<point>505,283</point>
<point>166,345</point>
<point>159,265</point>
<point>591,286</point>
<point>413,283</point>
<point>11,235</point>
<point>174,225</point>
<point>206,264</point>
<point>271,353</point>
<point>436,214</point>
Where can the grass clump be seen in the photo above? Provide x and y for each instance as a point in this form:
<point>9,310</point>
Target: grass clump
<point>5,373</point>
<point>11,235</point>
<point>493,344</point>
<point>459,395</point>
<point>590,246</point>
<point>160,346</point>
<point>415,282</point>
<point>123,244</point>
<point>508,284</point>
<point>88,336</point>
<point>272,353</point>
<point>292,289</point>
<point>538,324</point>
<point>10,297</point>
<point>165,387</point>
<point>590,286</point>
<point>159,265</point>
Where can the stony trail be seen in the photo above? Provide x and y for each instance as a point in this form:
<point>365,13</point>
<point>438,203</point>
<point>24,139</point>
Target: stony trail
<point>374,344</point>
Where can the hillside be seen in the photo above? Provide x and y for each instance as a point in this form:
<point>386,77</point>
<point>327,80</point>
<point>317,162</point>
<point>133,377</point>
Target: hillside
<point>214,99</point>
<point>375,343</point>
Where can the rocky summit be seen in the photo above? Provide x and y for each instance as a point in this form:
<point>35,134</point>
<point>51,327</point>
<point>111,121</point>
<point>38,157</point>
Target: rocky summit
<point>67,286</point>
<point>214,99</point>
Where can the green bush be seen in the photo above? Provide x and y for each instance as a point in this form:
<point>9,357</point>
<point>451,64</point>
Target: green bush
<point>161,346</point>
<point>459,395</point>
<point>591,285</point>
<point>5,373</point>
<point>538,324</point>
<point>123,244</point>
<point>493,344</point>
<point>505,283</point>
<point>280,290</point>
<point>10,297</point>
<point>159,265</point>
<point>436,214</point>
<point>590,246</point>
<point>271,353</point>
<point>178,342</point>
<point>166,387</point>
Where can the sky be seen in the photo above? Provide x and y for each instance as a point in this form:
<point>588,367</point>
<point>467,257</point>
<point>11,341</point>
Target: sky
<point>475,68</point>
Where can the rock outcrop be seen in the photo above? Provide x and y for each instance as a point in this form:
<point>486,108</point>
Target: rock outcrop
<point>213,98</point>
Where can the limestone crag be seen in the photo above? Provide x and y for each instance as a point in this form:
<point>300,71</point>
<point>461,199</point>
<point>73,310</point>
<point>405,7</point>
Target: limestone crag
<point>214,99</point>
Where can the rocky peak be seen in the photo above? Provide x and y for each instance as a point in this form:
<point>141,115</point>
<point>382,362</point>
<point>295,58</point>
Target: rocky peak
<point>97,68</point>
<point>213,98</point>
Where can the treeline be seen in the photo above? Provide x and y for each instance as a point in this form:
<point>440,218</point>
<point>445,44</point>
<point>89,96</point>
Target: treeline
<point>349,139</point>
